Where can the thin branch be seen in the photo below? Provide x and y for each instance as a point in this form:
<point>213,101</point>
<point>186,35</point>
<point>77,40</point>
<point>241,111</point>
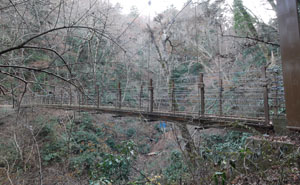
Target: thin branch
<point>142,174</point>
<point>8,74</point>
<point>155,44</point>
<point>21,79</point>
<point>22,96</point>
<point>52,50</point>
<point>39,156</point>
<point>18,12</point>
<point>2,89</point>
<point>174,19</point>
<point>37,70</point>
<point>129,25</point>
<point>13,5</point>
<point>7,171</point>
<point>79,87</point>
<point>56,29</point>
<point>252,38</point>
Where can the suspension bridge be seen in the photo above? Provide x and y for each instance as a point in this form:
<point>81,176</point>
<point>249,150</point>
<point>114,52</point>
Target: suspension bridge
<point>251,98</point>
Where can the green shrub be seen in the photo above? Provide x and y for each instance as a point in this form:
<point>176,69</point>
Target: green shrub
<point>111,143</point>
<point>45,131</point>
<point>218,148</point>
<point>177,170</point>
<point>53,151</point>
<point>9,152</point>
<point>144,148</point>
<point>116,167</point>
<point>131,132</point>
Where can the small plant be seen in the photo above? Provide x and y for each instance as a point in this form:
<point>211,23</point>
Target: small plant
<point>177,170</point>
<point>53,151</point>
<point>116,167</point>
<point>131,132</point>
<point>8,152</point>
<point>220,176</point>
<point>218,148</point>
<point>111,143</point>
<point>144,148</point>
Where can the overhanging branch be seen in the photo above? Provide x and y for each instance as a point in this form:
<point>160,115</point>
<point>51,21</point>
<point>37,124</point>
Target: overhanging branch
<point>52,50</point>
<point>20,46</point>
<point>252,38</point>
<point>37,70</point>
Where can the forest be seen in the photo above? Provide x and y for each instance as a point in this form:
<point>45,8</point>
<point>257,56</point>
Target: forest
<point>90,53</point>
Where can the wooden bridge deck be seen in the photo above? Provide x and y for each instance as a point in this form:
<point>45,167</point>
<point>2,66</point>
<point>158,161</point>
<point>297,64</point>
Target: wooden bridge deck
<point>205,121</point>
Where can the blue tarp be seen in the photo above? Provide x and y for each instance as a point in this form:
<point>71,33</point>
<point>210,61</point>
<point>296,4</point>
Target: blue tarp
<point>162,124</point>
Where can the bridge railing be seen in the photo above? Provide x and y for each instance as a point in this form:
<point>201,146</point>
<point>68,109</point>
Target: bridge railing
<point>255,94</point>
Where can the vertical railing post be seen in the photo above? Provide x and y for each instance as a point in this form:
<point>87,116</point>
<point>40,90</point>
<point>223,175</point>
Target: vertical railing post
<point>12,95</point>
<point>83,98</point>
<point>50,97</point>
<point>47,98</point>
<point>53,97</point>
<point>87,97</point>
<point>201,95</point>
<point>70,94</point>
<point>61,96</point>
<point>32,98</point>
<point>172,96</point>
<point>220,96</point>
<point>78,97</point>
<point>266,98</point>
<point>151,95</point>
<point>140,98</point>
<point>98,95</point>
<point>119,96</point>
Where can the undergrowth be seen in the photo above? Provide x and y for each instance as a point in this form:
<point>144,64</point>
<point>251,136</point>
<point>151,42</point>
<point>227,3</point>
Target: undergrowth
<point>106,153</point>
<point>82,147</point>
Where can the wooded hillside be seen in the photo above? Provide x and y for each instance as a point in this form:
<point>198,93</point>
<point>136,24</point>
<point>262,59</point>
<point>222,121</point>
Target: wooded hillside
<point>64,48</point>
